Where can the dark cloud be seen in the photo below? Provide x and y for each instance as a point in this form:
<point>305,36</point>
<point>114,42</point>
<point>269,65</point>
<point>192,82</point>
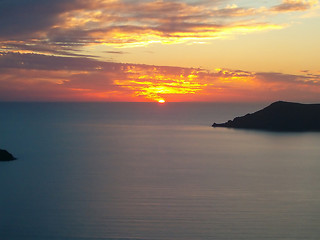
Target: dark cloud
<point>41,53</point>
<point>29,18</point>
<point>293,5</point>
<point>43,77</point>
<point>43,47</point>
<point>46,62</point>
<point>65,26</point>
<point>116,52</point>
<point>306,78</point>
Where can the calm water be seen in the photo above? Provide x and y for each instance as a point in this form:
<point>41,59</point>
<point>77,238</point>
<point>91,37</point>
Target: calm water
<point>148,171</point>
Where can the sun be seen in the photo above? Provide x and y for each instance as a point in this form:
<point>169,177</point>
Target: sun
<point>161,101</point>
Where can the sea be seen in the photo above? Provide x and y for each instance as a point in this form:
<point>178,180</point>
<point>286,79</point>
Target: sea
<point>149,171</point>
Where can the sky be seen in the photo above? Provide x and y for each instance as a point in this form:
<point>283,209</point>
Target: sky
<point>152,50</point>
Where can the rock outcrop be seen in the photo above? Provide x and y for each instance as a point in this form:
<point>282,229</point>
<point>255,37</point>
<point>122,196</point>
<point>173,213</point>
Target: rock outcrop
<point>279,116</point>
<point>6,156</point>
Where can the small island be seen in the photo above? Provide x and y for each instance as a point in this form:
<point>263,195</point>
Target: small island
<point>6,156</point>
<point>279,116</point>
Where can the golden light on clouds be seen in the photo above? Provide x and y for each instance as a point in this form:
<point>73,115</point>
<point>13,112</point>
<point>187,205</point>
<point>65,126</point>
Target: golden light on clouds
<point>156,83</point>
<point>122,23</point>
<point>84,81</point>
<point>70,50</point>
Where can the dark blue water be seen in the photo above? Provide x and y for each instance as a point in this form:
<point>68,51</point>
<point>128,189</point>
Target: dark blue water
<point>150,171</point>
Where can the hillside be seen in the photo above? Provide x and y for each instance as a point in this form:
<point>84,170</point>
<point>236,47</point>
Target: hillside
<point>279,116</point>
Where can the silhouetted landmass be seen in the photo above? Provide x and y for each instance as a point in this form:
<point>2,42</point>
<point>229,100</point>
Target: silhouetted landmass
<point>6,156</point>
<point>279,116</point>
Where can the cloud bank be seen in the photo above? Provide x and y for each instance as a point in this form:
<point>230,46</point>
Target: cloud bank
<point>44,52</point>
<point>63,27</point>
<point>35,77</point>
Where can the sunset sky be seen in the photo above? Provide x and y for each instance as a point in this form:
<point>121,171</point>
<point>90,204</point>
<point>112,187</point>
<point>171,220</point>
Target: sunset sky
<point>151,50</point>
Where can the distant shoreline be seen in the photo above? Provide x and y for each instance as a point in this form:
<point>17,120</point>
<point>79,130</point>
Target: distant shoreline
<point>279,116</point>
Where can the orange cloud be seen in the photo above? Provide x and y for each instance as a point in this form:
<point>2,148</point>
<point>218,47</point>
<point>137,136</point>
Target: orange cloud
<point>32,77</point>
<point>156,83</point>
<point>63,28</point>
<point>142,23</point>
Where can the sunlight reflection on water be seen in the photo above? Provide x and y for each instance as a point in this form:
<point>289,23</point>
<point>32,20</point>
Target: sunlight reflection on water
<point>82,174</point>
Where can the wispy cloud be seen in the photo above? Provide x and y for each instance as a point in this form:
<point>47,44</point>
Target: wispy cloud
<point>294,5</point>
<point>116,52</point>
<point>40,77</point>
<point>64,27</point>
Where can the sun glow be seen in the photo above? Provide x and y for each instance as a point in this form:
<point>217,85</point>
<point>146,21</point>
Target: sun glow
<point>159,83</point>
<point>161,101</point>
